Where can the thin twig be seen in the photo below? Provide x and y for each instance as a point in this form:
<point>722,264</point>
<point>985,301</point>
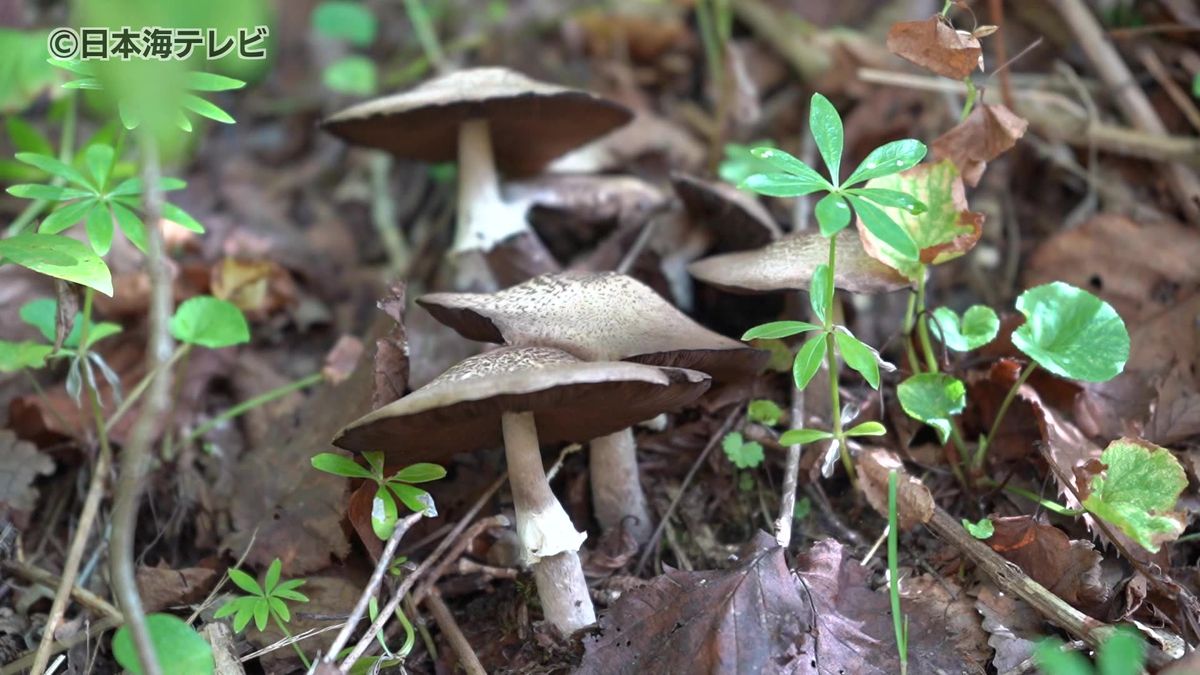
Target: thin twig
<point>454,635</point>
<point>1179,97</point>
<point>454,553</point>
<point>85,597</point>
<point>22,664</point>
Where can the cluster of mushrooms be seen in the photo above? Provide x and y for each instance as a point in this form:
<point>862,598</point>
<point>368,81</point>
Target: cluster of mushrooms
<point>585,356</point>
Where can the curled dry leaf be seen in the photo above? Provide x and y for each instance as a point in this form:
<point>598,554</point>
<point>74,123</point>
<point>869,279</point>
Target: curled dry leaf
<point>1014,628</point>
<point>913,500</point>
<point>988,132</point>
<point>257,287</point>
<point>935,46</point>
<point>20,464</point>
<point>1069,569</point>
<point>391,351</point>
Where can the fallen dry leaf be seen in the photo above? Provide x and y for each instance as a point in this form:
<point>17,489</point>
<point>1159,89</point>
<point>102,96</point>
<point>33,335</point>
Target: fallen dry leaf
<point>913,500</point>
<point>935,46</point>
<point>1014,628</point>
<point>20,465</point>
<point>751,618</point>
<point>988,132</point>
<point>342,359</point>
<point>162,587</point>
<point>257,287</point>
<point>1069,569</point>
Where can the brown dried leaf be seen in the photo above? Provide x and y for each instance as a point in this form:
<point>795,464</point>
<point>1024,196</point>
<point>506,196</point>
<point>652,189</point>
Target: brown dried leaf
<point>257,287</point>
<point>162,587</point>
<point>20,465</point>
<point>750,618</point>
<point>935,46</point>
<point>1014,628</point>
<point>913,500</point>
<point>1069,569</point>
<point>342,359</point>
<point>988,132</point>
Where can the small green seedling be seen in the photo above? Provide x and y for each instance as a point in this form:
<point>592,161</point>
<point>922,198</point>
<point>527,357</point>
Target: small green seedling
<point>933,398</point>
<point>398,486</point>
<point>742,453</point>
<point>1137,492</point>
<point>210,322</point>
<point>899,619</point>
<point>974,329</point>
<point>1124,653</point>
<point>740,162</point>
<point>264,603</point>
<point>984,529</point>
<point>354,24</point>
<point>176,644</point>
<point>764,412</point>
<point>43,315</point>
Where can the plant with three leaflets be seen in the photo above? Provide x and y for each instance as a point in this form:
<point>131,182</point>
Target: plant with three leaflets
<point>398,486</point>
<point>43,315</point>
<point>265,602</point>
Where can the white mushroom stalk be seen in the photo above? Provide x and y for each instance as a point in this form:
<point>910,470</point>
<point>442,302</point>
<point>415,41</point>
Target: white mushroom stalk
<point>617,492</point>
<point>549,540</point>
<point>484,218</point>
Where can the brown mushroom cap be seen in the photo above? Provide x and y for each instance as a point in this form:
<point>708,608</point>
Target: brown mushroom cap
<point>598,316</point>
<point>737,219</point>
<point>531,122</point>
<point>788,264</point>
<point>572,400</point>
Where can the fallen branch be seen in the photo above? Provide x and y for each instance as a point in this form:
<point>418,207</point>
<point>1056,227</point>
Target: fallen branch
<point>454,635</point>
<point>83,596</point>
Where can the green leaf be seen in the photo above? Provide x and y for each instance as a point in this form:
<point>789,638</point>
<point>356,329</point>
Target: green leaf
<point>833,214</point>
<point>375,461</point>
<point>416,499</point>
<point>1122,654</point>
<point>131,225</point>
<point>177,645</point>
<point>977,327</point>
<point>887,159</point>
<point>49,193</point>
<point>290,594</point>
<point>17,355</point>
<point>1072,333</point>
<point>859,357</point>
<point>1051,658</point>
<point>867,429</point>
<point>26,137</point>
<point>181,218</point>
<point>339,465</point>
<point>351,75</point>
<point>743,454</point>
<point>764,411</point>
<point>272,577</point>
<point>245,613</point>
<point>803,436</point>
<point>933,398</point>
<point>99,160</point>
<point>808,361</point>
<point>349,21</point>
<point>891,198</point>
<point>245,582</point>
<point>781,185</point>
<point>67,215</point>
<point>280,609</point>
<point>97,333</point>
<point>230,607</point>
<point>209,322</point>
<point>826,127</point>
<point>820,289</point>
<point>99,228</point>
<point>740,162</point>
<point>60,257</point>
<point>1137,492</point>
<point>881,226</point>
<point>984,529</point>
<point>422,472</point>
<point>201,81</point>
<point>779,329</point>
<point>384,513</point>
<point>207,109</point>
<point>785,163</point>
<point>127,188</point>
<point>42,314</point>
<point>54,165</point>
<point>262,612</point>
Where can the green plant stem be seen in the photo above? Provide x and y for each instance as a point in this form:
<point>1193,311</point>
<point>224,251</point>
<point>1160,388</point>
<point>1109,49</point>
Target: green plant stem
<point>899,621</point>
<point>969,104</point>
<point>251,404</point>
<point>426,35</point>
<point>140,388</point>
<point>984,442</point>
<point>1032,496</point>
<point>831,361</point>
<point>909,326</point>
<point>66,148</point>
<point>295,645</point>
<point>923,325</point>
<point>946,7</point>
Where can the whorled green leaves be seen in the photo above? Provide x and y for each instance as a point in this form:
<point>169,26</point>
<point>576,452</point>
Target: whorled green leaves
<point>1137,492</point>
<point>397,487</point>
<point>933,398</point>
<point>977,327</point>
<point>59,257</point>
<point>1072,333</point>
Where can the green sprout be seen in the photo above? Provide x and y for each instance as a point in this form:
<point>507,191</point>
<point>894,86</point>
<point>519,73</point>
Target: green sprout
<point>264,603</point>
<point>399,486</point>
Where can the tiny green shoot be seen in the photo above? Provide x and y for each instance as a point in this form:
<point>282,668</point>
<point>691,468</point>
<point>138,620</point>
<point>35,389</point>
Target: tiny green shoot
<point>265,602</point>
<point>398,486</point>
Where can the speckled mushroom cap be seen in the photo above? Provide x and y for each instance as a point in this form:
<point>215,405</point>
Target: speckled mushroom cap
<point>789,264</point>
<point>598,316</point>
<point>737,219</point>
<point>531,122</point>
<point>571,399</point>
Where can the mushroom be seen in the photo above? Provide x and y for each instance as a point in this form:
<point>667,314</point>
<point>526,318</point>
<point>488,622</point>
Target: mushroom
<point>523,396</point>
<point>489,119</point>
<point>790,262</point>
<point>737,220</point>
<point>600,317</point>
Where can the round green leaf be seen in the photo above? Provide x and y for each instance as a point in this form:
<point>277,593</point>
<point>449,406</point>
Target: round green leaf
<point>17,355</point>
<point>351,75</point>
<point>933,398</point>
<point>1137,492</point>
<point>179,648</point>
<point>977,327</point>
<point>60,257</point>
<point>342,20</point>
<point>764,411</point>
<point>209,322</point>
<point>1072,333</point>
<point>744,454</point>
<point>984,529</point>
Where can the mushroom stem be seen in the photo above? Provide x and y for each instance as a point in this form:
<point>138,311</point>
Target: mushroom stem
<point>548,538</point>
<point>617,492</point>
<point>484,218</point>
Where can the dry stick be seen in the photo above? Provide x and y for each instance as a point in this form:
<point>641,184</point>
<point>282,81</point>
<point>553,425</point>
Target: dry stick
<point>381,568</point>
<point>454,635</point>
<point>649,227</point>
<point>135,454</point>
<point>1011,579</point>
<point>454,553</point>
<point>366,640</point>
<point>996,9</point>
<point>652,545</point>
<point>22,665</point>
<point>85,597</point>
<point>1128,96</point>
<point>1178,96</point>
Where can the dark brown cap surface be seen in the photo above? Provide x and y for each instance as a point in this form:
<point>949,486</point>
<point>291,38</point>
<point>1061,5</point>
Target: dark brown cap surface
<point>599,317</point>
<point>572,400</point>
<point>531,122</point>
<point>737,219</point>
